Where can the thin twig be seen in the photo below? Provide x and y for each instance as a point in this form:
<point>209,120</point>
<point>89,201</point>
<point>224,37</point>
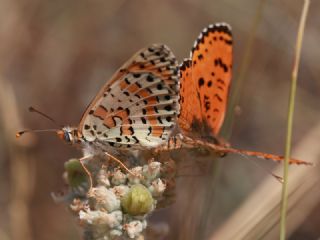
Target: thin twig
<point>284,199</point>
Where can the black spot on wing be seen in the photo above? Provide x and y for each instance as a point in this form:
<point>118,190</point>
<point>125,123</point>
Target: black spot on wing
<point>201,82</point>
<point>219,63</point>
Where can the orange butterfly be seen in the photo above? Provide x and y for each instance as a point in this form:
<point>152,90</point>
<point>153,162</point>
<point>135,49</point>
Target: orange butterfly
<point>205,81</point>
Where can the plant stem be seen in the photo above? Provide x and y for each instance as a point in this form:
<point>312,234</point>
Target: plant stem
<point>284,198</point>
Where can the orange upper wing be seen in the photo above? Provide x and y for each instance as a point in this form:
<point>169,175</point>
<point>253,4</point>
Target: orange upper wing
<point>204,92</point>
<point>190,111</point>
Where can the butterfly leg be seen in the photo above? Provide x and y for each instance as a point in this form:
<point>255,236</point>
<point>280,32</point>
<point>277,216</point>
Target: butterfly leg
<point>120,163</point>
<point>81,160</point>
<point>267,156</point>
<point>174,143</point>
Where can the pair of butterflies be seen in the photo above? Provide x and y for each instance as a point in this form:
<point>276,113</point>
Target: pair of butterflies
<point>150,95</point>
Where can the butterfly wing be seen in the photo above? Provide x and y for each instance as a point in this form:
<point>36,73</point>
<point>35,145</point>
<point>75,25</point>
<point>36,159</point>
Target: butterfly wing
<point>190,112</point>
<point>211,59</point>
<point>138,106</point>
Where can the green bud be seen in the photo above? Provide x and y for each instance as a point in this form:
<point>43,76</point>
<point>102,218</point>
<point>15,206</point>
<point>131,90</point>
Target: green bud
<point>76,174</point>
<point>138,201</point>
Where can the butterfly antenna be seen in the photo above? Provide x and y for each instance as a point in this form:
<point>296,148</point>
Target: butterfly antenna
<point>32,109</point>
<point>19,134</point>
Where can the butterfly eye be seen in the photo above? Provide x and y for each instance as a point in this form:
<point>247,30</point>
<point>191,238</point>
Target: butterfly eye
<point>66,137</point>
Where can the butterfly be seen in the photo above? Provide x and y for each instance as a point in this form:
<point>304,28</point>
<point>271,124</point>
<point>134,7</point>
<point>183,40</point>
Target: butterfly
<point>205,81</point>
<point>135,109</point>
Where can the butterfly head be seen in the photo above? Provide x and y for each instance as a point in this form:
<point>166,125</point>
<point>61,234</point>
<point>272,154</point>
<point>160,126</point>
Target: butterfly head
<point>70,135</point>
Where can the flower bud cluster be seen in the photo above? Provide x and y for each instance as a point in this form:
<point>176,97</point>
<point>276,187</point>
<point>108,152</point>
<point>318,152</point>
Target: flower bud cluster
<point>118,204</point>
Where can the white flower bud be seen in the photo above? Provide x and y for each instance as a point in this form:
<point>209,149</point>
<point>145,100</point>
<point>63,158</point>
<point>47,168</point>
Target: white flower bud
<point>118,177</point>
<point>120,190</point>
<point>134,228</point>
<point>100,218</point>
<point>102,178</point>
<point>152,170</point>
<point>157,187</point>
<point>135,178</point>
<point>105,199</point>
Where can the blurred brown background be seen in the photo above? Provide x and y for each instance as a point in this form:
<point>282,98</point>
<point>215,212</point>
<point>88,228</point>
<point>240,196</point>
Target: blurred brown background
<point>55,55</point>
